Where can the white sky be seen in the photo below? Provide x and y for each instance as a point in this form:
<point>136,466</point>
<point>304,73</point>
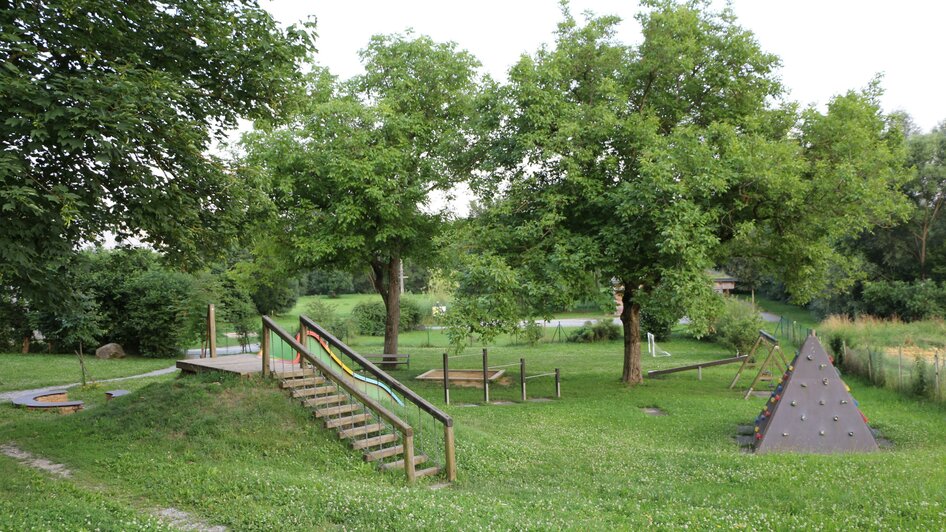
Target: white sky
<point>827,47</point>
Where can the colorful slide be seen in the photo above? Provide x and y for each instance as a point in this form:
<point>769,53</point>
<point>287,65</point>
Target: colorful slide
<point>376,386</point>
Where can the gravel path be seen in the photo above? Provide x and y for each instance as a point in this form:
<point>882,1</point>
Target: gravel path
<point>7,396</point>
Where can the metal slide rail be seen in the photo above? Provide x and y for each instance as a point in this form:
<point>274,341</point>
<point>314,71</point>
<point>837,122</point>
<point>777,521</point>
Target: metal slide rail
<point>405,431</point>
<point>432,413</point>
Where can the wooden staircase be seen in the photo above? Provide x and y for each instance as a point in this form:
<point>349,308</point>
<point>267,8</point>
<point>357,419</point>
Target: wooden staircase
<point>351,420</point>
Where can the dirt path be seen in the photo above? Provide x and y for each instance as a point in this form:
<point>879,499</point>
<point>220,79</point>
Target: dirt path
<point>171,516</point>
<point>7,396</point>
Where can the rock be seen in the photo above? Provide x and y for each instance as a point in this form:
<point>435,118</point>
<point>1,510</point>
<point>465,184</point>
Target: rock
<point>110,351</point>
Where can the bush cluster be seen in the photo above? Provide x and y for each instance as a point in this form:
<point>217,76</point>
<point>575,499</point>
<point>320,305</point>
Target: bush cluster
<point>737,325</point>
<point>915,301</point>
<point>598,331</point>
<point>369,318</point>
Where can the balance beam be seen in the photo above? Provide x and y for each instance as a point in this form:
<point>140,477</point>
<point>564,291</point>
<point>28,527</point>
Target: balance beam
<point>701,365</point>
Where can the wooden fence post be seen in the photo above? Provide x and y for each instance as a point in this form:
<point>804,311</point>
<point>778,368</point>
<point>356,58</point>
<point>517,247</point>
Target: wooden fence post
<point>485,376</point>
<point>212,330</point>
<point>900,368</point>
<point>938,392</point>
<point>522,378</point>
<point>558,384</point>
<point>446,379</point>
<point>266,348</point>
<point>409,468</point>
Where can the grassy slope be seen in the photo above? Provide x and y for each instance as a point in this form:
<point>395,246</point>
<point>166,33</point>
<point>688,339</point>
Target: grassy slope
<point>22,372</point>
<point>238,453</point>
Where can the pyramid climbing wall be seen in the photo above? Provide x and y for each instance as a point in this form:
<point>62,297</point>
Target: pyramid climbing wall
<point>811,409</point>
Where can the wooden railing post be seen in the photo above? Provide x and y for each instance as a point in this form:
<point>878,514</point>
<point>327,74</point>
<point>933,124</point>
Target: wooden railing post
<point>450,453</point>
<point>485,377</point>
<point>212,330</point>
<point>446,379</point>
<point>522,378</point>
<point>409,469</point>
<point>266,348</point>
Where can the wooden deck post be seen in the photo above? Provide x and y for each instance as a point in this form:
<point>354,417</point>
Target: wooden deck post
<point>266,348</point>
<point>522,378</point>
<point>446,379</point>
<point>212,330</point>
<point>558,384</point>
<point>485,376</point>
<point>450,452</point>
<point>409,468</point>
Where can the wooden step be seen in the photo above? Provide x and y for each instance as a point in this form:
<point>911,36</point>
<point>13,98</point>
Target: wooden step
<point>326,400</point>
<point>293,373</point>
<point>384,453</point>
<point>399,464</point>
<point>334,410</point>
<point>360,431</point>
<point>299,383</point>
<point>429,472</point>
<point>374,442</point>
<point>346,421</point>
<point>310,392</point>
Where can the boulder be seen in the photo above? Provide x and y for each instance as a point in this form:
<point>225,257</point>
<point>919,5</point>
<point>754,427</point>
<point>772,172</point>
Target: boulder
<point>110,351</point>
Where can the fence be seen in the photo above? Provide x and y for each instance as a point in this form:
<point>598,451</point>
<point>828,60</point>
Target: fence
<point>486,374</point>
<point>914,374</point>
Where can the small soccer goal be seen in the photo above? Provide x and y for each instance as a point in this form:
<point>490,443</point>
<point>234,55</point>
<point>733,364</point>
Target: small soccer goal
<point>653,348</point>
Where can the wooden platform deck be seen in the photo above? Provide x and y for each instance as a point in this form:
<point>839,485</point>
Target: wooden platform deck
<point>239,364</point>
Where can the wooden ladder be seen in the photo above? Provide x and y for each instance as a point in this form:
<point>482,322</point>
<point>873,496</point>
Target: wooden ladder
<point>349,418</point>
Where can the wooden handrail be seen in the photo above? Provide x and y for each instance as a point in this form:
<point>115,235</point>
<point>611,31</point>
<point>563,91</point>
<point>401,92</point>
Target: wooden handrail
<point>381,375</point>
<point>405,429</point>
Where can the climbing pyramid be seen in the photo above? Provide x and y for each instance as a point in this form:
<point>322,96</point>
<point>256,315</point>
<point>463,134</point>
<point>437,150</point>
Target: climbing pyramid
<point>811,409</point>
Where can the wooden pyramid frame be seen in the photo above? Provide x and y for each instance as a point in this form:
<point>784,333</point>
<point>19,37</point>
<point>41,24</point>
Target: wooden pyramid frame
<point>811,409</point>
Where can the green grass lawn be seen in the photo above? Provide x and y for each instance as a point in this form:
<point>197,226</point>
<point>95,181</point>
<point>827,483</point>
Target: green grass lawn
<point>21,372</point>
<point>238,453</point>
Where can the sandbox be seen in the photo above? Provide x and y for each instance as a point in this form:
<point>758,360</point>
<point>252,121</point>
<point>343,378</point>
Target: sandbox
<point>462,377</point>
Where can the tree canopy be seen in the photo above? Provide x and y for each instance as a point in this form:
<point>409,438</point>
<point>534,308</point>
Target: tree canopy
<point>652,163</point>
<point>109,110</point>
<point>353,173</point>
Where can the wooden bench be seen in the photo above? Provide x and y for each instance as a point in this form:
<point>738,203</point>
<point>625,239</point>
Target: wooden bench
<point>58,399</point>
<point>397,360</point>
<point>115,393</point>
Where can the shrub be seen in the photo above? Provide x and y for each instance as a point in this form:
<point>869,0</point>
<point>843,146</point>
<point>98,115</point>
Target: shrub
<point>369,318</point>
<point>908,301</point>
<point>158,315</point>
<point>737,325</point>
<point>920,385</point>
<point>532,332</point>
<point>658,323</point>
<point>324,314</point>
<point>602,330</point>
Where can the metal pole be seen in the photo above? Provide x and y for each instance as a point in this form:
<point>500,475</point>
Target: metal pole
<point>558,384</point>
<point>522,378</point>
<point>485,376</point>
<point>699,373</point>
<point>446,380</point>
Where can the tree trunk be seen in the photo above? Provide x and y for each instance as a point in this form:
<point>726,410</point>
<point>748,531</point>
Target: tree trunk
<point>387,281</point>
<point>26,345</point>
<point>631,319</point>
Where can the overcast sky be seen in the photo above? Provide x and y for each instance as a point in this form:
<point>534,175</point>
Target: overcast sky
<point>827,47</point>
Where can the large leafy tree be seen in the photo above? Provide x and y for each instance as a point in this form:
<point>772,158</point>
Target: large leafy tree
<point>109,108</point>
<point>927,189</point>
<point>352,176</point>
<point>652,163</point>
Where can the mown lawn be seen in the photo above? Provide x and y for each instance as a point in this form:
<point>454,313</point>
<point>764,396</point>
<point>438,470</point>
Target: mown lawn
<point>238,453</point>
<point>25,371</point>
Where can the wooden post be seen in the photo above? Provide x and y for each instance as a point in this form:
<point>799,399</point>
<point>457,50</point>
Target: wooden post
<point>267,349</point>
<point>900,368</point>
<point>212,330</point>
<point>450,453</point>
<point>409,469</point>
<point>558,384</point>
<point>936,374</point>
<point>870,366</point>
<point>446,380</point>
<point>304,340</point>
<point>522,378</point>
<point>485,376</point>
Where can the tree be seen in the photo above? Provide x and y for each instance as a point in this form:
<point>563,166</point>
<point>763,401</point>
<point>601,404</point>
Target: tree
<point>109,110</point>
<point>927,153</point>
<point>653,163</point>
<point>353,174</point>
